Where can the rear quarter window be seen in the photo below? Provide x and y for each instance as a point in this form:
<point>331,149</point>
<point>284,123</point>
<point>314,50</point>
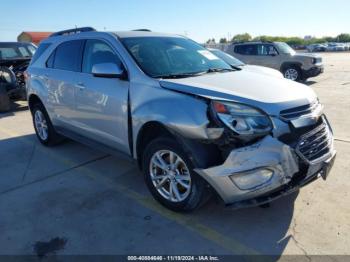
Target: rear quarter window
<point>51,60</point>
<point>41,49</point>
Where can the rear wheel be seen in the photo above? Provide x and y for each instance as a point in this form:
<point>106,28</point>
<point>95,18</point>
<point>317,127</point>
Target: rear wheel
<point>43,126</point>
<point>169,175</point>
<point>292,73</point>
<point>5,103</point>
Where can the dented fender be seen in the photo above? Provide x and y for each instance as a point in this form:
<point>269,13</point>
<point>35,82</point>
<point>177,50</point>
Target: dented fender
<point>182,114</point>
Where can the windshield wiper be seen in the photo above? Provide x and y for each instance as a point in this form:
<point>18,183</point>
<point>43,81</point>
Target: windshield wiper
<point>182,75</point>
<point>218,70</point>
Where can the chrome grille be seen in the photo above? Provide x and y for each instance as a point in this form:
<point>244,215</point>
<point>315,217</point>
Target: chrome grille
<point>301,111</point>
<point>316,145</point>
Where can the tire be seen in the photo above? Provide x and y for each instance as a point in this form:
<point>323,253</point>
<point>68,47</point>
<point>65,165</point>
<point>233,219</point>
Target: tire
<point>186,199</point>
<point>44,129</point>
<point>293,73</point>
<point>5,104</point>
<point>8,76</point>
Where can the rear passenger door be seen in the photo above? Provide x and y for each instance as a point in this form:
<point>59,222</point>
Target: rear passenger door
<point>101,102</point>
<point>63,67</point>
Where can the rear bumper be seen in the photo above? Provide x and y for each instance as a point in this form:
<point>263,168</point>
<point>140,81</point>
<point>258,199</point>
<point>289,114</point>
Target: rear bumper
<point>313,72</point>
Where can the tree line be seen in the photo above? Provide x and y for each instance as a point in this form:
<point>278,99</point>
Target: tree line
<point>342,38</point>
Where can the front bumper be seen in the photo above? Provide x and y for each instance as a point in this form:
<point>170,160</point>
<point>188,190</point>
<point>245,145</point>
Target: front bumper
<point>323,170</point>
<point>313,72</point>
<point>290,172</point>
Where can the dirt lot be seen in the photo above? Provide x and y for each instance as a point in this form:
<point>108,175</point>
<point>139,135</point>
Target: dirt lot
<point>88,202</point>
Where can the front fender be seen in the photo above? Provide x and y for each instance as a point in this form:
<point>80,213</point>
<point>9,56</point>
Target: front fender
<point>183,114</point>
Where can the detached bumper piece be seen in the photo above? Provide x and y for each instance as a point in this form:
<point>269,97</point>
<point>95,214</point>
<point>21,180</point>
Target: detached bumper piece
<point>269,169</point>
<point>300,181</point>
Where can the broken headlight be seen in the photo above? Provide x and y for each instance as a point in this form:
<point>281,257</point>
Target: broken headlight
<point>242,119</point>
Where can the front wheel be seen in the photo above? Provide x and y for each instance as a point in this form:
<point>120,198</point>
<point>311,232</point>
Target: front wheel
<point>292,73</point>
<point>169,175</point>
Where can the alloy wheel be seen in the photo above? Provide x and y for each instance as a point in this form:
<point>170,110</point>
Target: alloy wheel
<point>291,74</point>
<point>170,176</point>
<point>41,125</point>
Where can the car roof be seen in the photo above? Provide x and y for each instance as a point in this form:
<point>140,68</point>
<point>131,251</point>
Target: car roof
<point>119,34</point>
<point>14,43</point>
<point>128,34</point>
<point>254,43</point>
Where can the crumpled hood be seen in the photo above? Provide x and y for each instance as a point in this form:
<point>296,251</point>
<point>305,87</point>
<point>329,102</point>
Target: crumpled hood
<point>269,93</point>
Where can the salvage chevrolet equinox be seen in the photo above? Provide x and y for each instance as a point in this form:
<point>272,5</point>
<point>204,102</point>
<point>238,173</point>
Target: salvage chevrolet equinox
<point>194,124</point>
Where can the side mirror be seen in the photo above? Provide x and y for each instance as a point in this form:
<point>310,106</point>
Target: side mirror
<point>107,70</point>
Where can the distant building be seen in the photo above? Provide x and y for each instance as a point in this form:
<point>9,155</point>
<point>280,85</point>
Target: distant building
<point>308,37</point>
<point>33,37</point>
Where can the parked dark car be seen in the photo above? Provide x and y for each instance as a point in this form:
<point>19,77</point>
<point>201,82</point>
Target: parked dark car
<point>14,60</point>
<point>316,48</point>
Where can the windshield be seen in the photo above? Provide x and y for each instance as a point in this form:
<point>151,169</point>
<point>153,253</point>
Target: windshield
<point>227,58</point>
<point>285,48</point>
<point>162,57</point>
<point>9,51</point>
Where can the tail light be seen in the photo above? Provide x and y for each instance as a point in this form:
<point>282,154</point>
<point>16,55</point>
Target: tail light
<point>26,76</point>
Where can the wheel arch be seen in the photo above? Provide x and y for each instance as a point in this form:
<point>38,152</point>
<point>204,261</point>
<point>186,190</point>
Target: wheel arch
<point>203,155</point>
<point>148,132</point>
<point>34,99</point>
<point>289,64</point>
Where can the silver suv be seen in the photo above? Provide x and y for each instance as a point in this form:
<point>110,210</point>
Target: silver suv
<point>194,124</point>
<point>280,56</point>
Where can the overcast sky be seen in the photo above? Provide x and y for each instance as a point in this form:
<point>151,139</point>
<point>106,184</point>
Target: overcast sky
<point>199,20</point>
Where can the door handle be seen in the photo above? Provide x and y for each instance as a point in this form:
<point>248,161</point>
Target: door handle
<point>81,86</point>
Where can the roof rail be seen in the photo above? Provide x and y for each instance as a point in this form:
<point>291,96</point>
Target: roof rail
<point>142,30</point>
<point>252,41</point>
<point>73,31</point>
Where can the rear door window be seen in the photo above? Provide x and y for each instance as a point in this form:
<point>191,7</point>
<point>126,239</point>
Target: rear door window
<point>246,49</point>
<point>68,56</point>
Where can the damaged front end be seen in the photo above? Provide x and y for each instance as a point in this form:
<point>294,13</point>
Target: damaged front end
<point>253,170</point>
<point>12,77</point>
<point>270,164</point>
<point>250,152</point>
